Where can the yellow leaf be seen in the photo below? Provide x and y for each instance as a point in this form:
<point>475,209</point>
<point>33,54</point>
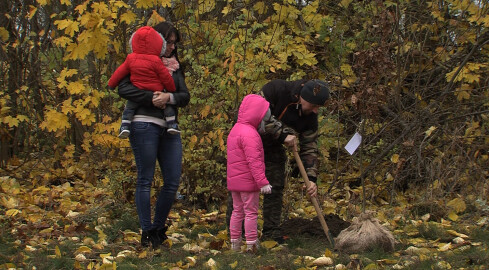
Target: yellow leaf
<point>457,204</point>
<point>32,11</point>
<point>205,111</point>
<point>395,158</point>
<point>57,252</point>
<point>211,263</point>
<point>54,121</point>
<point>46,231</point>
<point>77,87</point>
<point>430,130</point>
<point>328,253</point>
<point>234,264</point>
<point>66,2</point>
<point>145,4</point>
<point>143,254</point>
<point>453,216</point>
<point>69,26</point>
<point>83,249</point>
<point>155,19</point>
<point>387,261</point>
<point>445,247</point>
<point>165,3</point>
<point>345,3</point>
<point>269,244</point>
<point>455,233</point>
<point>225,10</point>
<point>128,17</point>
<point>260,7</point>
<point>10,121</point>
<point>4,35</point>
<point>461,95</point>
<point>42,2</point>
<point>12,212</point>
<point>168,243</point>
<point>191,261</point>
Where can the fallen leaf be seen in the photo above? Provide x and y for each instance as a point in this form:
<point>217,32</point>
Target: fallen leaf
<point>191,261</point>
<point>322,261</point>
<point>143,254</point>
<point>80,258</point>
<point>453,216</point>
<point>445,247</point>
<point>12,212</point>
<point>83,249</point>
<point>211,264</point>
<point>387,261</point>
<point>234,264</point>
<point>269,244</point>
<point>454,233</point>
<point>57,252</point>
<point>328,253</point>
<point>457,204</point>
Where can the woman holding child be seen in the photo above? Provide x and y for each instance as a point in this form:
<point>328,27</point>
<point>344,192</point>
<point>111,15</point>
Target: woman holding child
<point>150,142</point>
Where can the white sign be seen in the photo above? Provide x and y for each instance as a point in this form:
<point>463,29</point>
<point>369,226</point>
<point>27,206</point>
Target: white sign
<point>354,142</point>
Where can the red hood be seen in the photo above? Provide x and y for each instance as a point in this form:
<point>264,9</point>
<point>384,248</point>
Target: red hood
<point>146,40</point>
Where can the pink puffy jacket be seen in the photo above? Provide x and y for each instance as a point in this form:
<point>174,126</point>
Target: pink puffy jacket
<point>245,155</point>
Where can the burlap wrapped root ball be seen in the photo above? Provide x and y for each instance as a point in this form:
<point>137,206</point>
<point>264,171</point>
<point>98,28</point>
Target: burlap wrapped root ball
<point>364,234</point>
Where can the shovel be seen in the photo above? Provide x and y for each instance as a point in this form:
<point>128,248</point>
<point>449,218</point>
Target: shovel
<point>313,199</point>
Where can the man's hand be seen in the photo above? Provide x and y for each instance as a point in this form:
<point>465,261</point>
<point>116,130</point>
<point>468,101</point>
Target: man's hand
<point>290,140</point>
<point>312,190</point>
<point>267,189</point>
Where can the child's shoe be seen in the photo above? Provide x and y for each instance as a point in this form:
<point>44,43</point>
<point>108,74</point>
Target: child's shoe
<point>173,129</point>
<point>252,247</point>
<point>236,244</point>
<point>124,131</point>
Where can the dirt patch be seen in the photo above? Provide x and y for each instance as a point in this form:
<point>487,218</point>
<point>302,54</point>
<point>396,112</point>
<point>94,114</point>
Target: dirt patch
<point>298,226</point>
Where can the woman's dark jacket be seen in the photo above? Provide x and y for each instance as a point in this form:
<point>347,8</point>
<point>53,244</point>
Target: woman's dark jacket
<point>145,98</point>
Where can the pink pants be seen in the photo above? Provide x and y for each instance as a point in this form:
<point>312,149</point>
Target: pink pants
<point>245,207</point>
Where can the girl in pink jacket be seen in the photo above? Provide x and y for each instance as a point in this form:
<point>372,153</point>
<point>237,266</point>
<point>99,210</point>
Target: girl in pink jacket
<point>246,170</point>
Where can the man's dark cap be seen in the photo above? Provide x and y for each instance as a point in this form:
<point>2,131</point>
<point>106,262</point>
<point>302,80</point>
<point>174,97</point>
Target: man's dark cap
<point>315,92</point>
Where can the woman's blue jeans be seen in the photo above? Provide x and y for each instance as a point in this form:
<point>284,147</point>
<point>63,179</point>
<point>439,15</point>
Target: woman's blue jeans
<point>151,143</point>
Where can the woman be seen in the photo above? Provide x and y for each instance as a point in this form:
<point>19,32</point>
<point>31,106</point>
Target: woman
<point>150,142</point>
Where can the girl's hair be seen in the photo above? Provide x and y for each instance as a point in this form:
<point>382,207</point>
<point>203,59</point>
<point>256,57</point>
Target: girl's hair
<point>167,29</point>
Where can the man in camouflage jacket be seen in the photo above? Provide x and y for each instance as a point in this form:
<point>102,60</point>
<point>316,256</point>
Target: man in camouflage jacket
<point>294,106</point>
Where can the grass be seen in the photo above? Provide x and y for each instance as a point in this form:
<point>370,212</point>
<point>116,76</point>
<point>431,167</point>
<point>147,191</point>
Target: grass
<point>202,232</point>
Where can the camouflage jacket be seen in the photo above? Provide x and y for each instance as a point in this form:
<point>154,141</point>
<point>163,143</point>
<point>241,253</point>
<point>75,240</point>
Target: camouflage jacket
<point>287,118</point>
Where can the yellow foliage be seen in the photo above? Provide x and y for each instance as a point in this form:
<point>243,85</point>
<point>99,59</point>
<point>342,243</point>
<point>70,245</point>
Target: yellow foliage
<point>69,26</point>
<point>4,35</point>
<point>260,7</point>
<point>457,204</point>
<point>128,17</point>
<point>54,121</point>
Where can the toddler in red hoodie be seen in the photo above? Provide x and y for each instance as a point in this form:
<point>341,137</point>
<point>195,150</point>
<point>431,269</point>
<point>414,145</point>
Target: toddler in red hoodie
<point>147,72</point>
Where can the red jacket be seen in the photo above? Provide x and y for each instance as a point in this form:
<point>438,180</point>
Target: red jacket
<point>144,63</point>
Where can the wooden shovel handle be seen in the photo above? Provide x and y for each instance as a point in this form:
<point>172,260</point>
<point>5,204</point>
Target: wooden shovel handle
<point>313,199</point>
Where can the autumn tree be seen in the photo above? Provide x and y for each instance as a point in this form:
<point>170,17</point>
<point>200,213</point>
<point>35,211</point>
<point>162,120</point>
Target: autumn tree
<point>413,72</point>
